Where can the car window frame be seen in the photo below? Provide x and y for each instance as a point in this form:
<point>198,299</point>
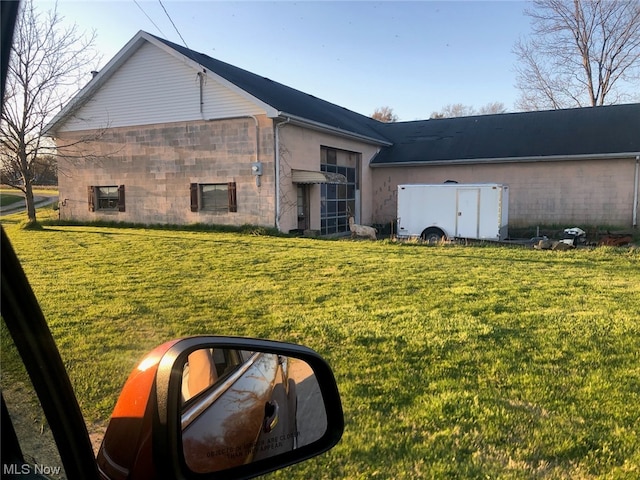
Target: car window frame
<point>25,322</point>
<point>33,340</point>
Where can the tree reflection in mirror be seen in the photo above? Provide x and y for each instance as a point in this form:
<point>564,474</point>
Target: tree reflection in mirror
<point>240,407</point>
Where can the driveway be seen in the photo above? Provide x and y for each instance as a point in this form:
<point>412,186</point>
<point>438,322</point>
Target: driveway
<point>17,207</point>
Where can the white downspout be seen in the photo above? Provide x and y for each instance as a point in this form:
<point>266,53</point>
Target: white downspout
<point>277,166</point>
<point>201,79</point>
<point>636,186</point>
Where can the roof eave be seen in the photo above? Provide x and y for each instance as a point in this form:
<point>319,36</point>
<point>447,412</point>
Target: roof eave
<point>530,159</point>
<point>311,124</point>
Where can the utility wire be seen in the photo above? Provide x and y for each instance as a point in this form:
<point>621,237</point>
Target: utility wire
<point>174,25</point>
<point>191,54</point>
<point>145,14</point>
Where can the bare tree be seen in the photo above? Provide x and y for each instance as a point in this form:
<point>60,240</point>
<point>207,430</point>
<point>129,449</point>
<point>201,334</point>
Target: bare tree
<point>581,53</point>
<point>48,63</point>
<point>460,110</point>
<point>454,110</point>
<point>384,114</point>
<point>492,108</point>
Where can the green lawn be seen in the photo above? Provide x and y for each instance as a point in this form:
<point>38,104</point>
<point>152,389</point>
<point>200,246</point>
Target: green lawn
<point>452,361</point>
<point>10,198</point>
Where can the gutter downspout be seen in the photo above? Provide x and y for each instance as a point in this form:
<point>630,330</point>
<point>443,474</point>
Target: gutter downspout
<point>277,167</point>
<point>201,79</point>
<point>636,186</point>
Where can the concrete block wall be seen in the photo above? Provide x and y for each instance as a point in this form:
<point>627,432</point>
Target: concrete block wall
<point>157,164</point>
<point>580,192</point>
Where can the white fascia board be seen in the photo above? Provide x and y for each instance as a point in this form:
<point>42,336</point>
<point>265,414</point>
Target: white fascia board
<point>303,122</point>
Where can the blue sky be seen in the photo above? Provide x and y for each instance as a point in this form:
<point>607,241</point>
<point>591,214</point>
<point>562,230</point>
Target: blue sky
<point>415,57</point>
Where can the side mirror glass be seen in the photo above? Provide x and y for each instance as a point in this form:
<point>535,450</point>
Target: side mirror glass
<point>237,408</point>
<point>241,406</point>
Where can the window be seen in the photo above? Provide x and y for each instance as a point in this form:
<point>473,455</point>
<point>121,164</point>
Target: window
<point>106,198</point>
<point>338,202</point>
<point>329,156</point>
<point>208,367</point>
<point>214,197</point>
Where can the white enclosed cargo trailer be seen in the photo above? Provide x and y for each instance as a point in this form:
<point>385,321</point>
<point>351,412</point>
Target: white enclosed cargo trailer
<point>453,210</point>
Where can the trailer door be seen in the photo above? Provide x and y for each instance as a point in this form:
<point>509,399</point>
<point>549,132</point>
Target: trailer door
<point>468,214</point>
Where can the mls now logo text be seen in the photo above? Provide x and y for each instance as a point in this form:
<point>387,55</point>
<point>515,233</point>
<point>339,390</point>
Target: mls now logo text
<point>25,469</point>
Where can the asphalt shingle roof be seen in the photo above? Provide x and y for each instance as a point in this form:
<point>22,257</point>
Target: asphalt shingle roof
<point>581,131</point>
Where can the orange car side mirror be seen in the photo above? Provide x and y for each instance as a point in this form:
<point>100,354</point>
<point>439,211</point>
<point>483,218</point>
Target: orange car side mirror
<point>222,407</point>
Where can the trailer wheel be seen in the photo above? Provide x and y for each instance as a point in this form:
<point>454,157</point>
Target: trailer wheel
<point>432,235</point>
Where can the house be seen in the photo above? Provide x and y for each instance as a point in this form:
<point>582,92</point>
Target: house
<point>164,134</point>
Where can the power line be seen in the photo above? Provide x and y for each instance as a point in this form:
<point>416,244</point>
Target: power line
<point>145,14</point>
<point>174,25</point>
<point>190,53</point>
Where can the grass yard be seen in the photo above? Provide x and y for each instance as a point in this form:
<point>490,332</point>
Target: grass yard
<point>10,198</point>
<point>452,361</point>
